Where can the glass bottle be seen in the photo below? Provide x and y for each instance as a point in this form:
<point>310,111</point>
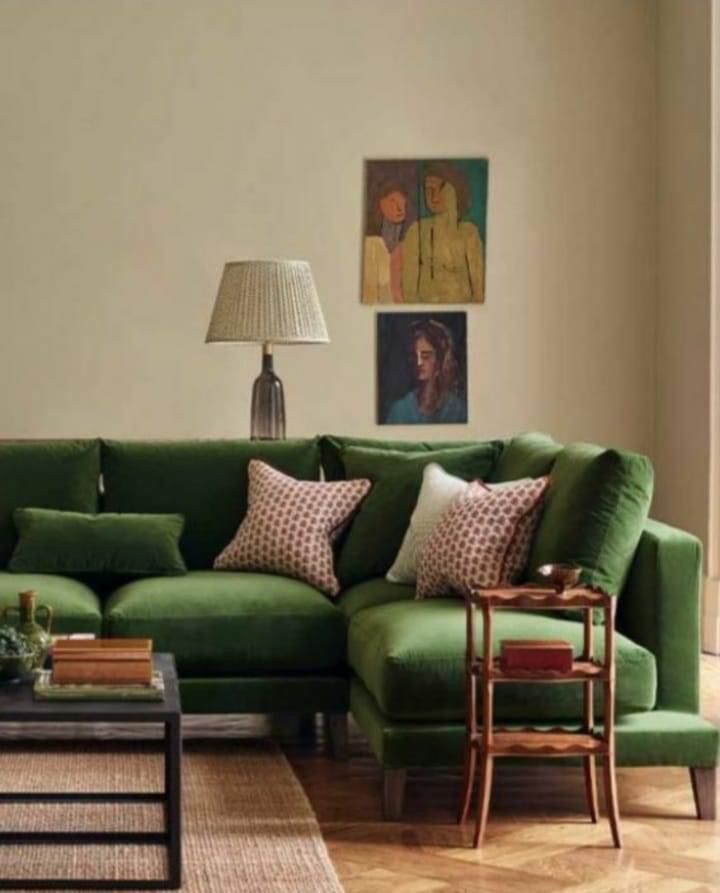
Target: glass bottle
<point>267,416</point>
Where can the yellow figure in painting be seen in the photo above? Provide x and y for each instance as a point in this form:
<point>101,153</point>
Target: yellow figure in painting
<point>382,252</point>
<point>443,257</point>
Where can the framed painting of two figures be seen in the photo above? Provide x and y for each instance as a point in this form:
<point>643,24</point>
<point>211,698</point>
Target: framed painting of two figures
<point>425,231</point>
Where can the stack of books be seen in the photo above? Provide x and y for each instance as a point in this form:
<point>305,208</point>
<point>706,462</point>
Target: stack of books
<point>101,669</point>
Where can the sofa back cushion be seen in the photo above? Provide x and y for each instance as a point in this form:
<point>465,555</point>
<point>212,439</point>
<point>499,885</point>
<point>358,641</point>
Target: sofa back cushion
<point>376,533</point>
<point>332,446</point>
<point>530,455</point>
<point>206,481</point>
<point>53,474</point>
<point>595,510</point>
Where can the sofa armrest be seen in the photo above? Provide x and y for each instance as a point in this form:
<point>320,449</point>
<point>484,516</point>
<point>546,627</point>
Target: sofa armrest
<point>659,608</point>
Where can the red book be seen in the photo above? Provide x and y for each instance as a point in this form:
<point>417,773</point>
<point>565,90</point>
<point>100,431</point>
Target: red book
<point>536,654</point>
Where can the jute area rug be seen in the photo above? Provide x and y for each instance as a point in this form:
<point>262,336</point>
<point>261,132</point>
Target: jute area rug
<point>248,825</point>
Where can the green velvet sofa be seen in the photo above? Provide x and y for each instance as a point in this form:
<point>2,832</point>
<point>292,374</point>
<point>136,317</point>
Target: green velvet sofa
<point>258,643</point>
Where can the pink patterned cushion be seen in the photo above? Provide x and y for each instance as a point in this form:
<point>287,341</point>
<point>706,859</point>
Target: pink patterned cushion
<point>482,539</point>
<point>290,526</point>
<point>519,548</point>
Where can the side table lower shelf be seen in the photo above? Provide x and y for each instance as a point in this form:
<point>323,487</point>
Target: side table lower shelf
<point>534,743</point>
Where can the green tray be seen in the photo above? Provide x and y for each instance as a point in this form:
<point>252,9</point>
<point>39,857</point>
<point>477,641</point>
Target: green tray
<point>45,690</point>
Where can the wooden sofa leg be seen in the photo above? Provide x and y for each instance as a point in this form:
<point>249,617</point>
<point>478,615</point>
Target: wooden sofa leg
<point>306,726</point>
<point>705,788</point>
<point>393,793</point>
<point>336,725</point>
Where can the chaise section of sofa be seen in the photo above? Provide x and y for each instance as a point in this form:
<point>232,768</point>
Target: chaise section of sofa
<point>410,658</point>
<point>408,676</point>
<point>407,656</point>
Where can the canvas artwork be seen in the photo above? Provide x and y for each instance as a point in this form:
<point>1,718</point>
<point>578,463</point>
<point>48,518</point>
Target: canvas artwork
<point>425,231</point>
<point>421,368</point>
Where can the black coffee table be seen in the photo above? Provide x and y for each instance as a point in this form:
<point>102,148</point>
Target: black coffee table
<point>17,705</point>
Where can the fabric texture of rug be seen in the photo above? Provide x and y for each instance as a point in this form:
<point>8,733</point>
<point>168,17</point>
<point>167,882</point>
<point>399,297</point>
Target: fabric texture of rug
<point>247,824</point>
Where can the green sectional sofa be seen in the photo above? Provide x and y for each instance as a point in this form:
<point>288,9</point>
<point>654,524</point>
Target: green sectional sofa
<point>259,643</point>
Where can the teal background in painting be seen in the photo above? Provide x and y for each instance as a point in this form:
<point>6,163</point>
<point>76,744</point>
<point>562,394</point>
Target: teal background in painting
<point>475,171</point>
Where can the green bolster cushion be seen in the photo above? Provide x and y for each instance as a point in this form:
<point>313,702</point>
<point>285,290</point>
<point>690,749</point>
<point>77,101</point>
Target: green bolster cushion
<point>54,474</point>
<point>377,532</point>
<point>55,542</point>
<point>595,511</point>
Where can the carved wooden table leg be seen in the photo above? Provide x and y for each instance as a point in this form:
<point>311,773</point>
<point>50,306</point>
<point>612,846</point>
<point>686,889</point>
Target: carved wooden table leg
<point>485,743</point>
<point>611,801</point>
<point>470,714</point>
<point>468,782</point>
<point>588,720</point>
<point>591,787</point>
<point>486,778</point>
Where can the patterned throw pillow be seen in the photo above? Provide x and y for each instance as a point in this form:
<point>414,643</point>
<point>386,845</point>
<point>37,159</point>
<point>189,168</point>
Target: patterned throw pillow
<point>482,539</point>
<point>290,526</point>
<point>519,549</point>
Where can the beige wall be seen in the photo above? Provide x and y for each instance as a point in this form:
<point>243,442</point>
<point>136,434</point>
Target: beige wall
<point>146,142</point>
<point>682,453</point>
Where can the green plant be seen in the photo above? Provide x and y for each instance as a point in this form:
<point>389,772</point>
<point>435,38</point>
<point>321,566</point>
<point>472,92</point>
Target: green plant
<point>13,643</point>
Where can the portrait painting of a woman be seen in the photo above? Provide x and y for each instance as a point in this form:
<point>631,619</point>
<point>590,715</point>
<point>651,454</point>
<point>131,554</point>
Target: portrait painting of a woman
<point>422,369</point>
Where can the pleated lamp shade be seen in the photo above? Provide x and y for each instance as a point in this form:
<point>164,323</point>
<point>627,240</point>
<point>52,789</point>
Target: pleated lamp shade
<point>270,301</point>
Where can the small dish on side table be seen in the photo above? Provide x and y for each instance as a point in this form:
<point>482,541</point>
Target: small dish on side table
<point>560,576</point>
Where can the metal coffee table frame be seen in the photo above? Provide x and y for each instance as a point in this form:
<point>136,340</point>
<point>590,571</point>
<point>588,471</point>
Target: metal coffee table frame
<point>17,705</point>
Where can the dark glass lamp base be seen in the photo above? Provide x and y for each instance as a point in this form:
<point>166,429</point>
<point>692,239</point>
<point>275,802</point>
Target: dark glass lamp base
<point>267,415</point>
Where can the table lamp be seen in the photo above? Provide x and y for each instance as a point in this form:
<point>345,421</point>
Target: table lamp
<point>269,302</point>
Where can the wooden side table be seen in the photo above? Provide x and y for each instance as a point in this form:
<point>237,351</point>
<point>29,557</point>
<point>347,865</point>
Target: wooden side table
<point>489,742</point>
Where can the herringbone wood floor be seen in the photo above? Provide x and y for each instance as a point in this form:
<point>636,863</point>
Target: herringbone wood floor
<point>539,837</point>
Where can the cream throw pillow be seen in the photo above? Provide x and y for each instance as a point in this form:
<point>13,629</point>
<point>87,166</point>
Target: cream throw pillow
<point>436,493</point>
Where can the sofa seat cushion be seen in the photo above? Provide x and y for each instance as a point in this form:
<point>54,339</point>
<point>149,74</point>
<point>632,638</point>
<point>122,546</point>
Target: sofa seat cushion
<point>76,608</point>
<point>410,656</point>
<point>221,622</point>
